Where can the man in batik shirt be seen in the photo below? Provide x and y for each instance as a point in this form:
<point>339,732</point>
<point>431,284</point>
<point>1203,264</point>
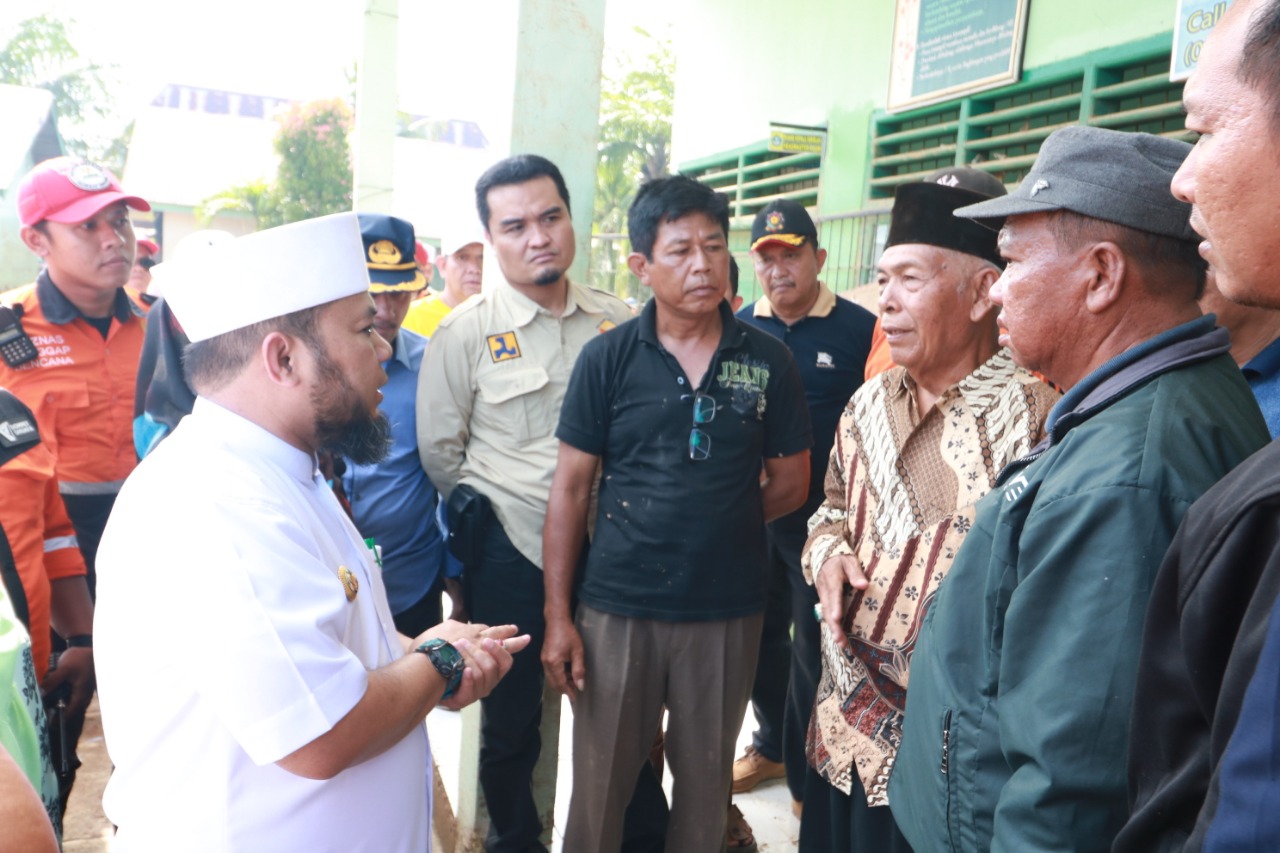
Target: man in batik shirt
<point>915,449</point>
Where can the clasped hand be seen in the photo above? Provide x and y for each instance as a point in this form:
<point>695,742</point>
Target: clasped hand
<point>486,651</point>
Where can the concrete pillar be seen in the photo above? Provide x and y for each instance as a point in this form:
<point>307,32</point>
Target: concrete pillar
<point>556,99</point>
<point>375,130</point>
<point>554,111</point>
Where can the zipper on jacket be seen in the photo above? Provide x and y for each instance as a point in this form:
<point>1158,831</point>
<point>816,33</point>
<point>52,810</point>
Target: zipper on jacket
<point>1018,465</point>
<point>946,742</point>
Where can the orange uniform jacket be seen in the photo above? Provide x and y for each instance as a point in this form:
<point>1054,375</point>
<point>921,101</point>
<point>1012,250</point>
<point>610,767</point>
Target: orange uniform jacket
<point>39,533</point>
<point>81,388</point>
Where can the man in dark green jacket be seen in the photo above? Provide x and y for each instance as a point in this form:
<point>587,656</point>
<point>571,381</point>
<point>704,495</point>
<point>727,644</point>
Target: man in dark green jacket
<point>1023,678</point>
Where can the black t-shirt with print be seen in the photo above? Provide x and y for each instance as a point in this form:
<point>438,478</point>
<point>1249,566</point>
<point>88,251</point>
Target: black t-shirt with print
<point>680,539</point>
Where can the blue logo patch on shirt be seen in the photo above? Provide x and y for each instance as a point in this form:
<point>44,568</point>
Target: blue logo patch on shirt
<point>503,346</point>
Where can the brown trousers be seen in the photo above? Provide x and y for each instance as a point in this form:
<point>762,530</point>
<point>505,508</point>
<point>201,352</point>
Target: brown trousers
<point>701,672</point>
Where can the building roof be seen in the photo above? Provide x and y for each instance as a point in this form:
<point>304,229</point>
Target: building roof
<point>179,157</point>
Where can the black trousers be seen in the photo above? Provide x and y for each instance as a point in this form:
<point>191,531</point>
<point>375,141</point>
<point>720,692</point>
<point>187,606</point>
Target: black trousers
<point>88,514</point>
<point>426,612</point>
<point>836,822</point>
<point>789,664</point>
<point>503,588</point>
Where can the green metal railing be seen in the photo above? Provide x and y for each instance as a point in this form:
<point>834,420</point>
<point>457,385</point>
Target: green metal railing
<point>753,176</point>
<point>1124,88</point>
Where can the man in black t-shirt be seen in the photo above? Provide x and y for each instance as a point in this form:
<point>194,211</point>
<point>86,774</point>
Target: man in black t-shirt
<point>679,408</point>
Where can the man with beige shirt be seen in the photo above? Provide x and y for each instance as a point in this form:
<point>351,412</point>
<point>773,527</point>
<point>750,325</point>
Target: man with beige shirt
<point>489,399</point>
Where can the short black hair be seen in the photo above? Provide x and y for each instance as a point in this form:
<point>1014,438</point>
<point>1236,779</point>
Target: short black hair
<point>209,365</point>
<point>666,200</point>
<point>733,276</point>
<point>1167,259</point>
<point>1259,66</point>
<point>517,170</point>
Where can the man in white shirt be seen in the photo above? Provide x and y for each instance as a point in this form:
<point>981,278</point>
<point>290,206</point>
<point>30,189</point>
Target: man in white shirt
<point>255,693</point>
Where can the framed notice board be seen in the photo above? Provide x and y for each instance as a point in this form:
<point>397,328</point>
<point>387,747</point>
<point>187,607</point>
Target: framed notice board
<point>943,49</point>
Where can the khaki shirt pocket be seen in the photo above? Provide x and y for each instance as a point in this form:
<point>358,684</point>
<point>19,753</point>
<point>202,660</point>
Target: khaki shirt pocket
<point>516,402</point>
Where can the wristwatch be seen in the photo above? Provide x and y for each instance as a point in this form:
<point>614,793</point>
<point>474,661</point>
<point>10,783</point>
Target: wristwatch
<point>448,662</point>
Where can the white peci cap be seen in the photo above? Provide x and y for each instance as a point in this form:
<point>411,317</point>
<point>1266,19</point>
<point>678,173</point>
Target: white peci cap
<point>246,280</point>
<point>188,253</point>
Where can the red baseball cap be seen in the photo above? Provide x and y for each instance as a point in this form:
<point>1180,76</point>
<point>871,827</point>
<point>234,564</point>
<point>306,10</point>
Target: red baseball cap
<point>68,189</point>
<point>151,247</point>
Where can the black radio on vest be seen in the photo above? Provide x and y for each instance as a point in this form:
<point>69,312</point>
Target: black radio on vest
<point>15,347</point>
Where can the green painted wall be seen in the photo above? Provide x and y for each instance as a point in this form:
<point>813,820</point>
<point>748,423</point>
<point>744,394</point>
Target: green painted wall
<point>1061,29</point>
<point>742,65</point>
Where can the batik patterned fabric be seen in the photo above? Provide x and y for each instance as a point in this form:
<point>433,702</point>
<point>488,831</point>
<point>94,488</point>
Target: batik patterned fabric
<point>900,496</point>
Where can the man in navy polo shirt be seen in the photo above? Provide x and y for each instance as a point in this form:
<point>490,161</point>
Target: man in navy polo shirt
<point>392,501</point>
<point>830,339</point>
<point>680,408</point>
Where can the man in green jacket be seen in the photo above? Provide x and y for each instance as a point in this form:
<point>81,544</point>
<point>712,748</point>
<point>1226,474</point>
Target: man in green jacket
<point>1023,678</point>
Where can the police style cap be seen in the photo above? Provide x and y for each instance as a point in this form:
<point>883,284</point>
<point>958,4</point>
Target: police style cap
<point>275,272</point>
<point>390,249</point>
<point>783,221</point>
<point>1104,174</point>
<point>924,212</point>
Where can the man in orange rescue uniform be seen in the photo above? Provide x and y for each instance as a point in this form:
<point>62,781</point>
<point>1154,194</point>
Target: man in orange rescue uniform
<point>87,337</point>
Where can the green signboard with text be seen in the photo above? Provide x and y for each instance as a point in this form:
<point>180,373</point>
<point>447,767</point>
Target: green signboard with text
<point>943,49</point>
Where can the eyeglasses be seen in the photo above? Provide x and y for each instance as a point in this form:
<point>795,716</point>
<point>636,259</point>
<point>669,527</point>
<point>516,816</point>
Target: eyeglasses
<point>147,263</point>
<point>704,412</point>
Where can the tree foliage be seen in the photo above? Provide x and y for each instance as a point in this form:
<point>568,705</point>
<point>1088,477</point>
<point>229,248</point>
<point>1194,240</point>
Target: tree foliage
<point>40,55</point>
<point>314,177</point>
<point>254,197</point>
<point>636,104</point>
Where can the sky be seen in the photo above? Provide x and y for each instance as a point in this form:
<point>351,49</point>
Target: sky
<point>303,50</point>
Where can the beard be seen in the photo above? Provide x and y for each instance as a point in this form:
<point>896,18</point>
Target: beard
<point>343,425</point>
<point>548,276</point>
